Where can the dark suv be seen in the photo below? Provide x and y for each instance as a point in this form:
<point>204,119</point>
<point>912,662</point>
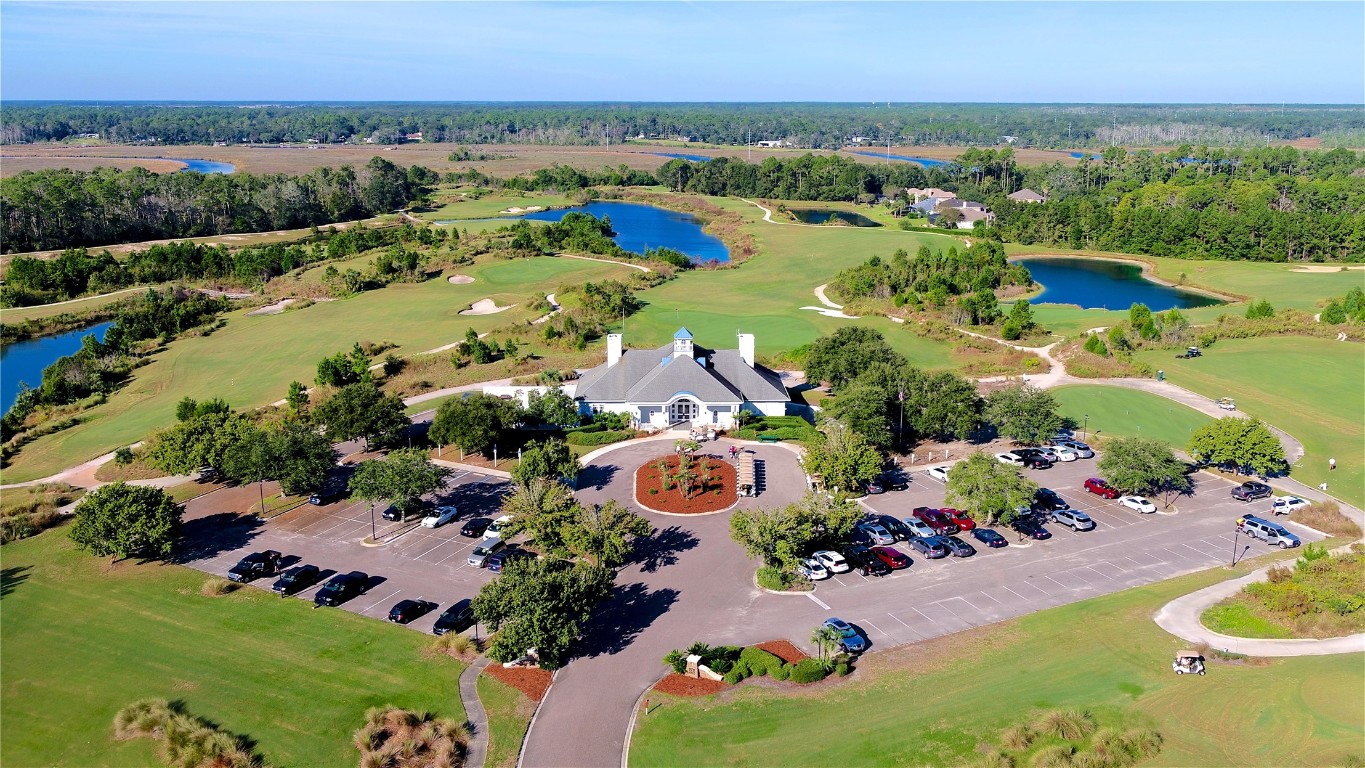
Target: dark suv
<point>341,588</point>
<point>255,565</point>
<point>866,563</point>
<point>1251,490</point>
<point>456,618</point>
<point>1046,500</point>
<point>296,579</point>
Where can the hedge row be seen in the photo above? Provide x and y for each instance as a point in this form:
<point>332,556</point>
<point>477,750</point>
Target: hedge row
<point>599,438</point>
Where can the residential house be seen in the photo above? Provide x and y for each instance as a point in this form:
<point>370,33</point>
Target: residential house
<point>1027,195</point>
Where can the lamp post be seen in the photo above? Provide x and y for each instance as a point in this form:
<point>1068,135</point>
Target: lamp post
<point>1236,529</point>
<point>1085,425</point>
<point>374,536</point>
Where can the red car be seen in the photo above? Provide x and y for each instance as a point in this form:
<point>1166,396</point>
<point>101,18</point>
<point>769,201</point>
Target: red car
<point>892,557</point>
<point>1100,488</point>
<point>960,518</point>
<point>936,519</point>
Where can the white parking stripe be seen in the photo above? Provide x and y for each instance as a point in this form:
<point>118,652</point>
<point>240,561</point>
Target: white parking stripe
<point>868,622</point>
<point>817,600</point>
<point>922,613</point>
<point>390,597</point>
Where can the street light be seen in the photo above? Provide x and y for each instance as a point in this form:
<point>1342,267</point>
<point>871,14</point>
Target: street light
<point>1084,426</point>
<point>1236,529</point>
<point>373,535</point>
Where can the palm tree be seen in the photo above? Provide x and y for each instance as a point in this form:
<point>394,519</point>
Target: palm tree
<point>826,639</point>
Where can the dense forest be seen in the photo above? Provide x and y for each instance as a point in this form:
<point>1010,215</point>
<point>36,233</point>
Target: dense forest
<point>929,280</point>
<point>62,208</point>
<point>804,125</point>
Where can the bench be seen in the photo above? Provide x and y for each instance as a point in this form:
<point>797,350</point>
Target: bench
<point>767,438</point>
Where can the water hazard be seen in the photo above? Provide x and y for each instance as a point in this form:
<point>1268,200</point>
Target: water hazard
<point>204,166</point>
<point>824,215</point>
<point>639,227</point>
<point>1100,284</point>
<point>25,360</point>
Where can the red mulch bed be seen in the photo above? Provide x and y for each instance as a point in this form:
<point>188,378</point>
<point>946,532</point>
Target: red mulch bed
<point>682,685</point>
<point>529,680</point>
<point>783,650</point>
<point>722,476</point>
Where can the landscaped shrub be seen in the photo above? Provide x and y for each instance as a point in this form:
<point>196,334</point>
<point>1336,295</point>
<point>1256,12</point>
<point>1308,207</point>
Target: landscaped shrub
<point>774,578</point>
<point>403,739</point>
<point>606,437</point>
<point>808,671</point>
<point>677,660</point>
<point>737,673</point>
<point>759,661</point>
<point>781,672</point>
<point>1326,516</point>
<point>1017,737</point>
<point>842,668</point>
<point>1054,756</point>
<point>1070,724</point>
<point>218,586</point>
<point>186,741</point>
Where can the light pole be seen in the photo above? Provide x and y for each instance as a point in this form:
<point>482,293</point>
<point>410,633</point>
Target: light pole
<point>374,536</point>
<point>1236,529</point>
<point>1085,425</point>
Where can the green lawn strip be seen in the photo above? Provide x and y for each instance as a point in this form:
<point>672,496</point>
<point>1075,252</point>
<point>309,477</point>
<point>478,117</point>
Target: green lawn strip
<point>933,704</point>
<point>79,643</point>
<point>1309,387</point>
<point>1238,619</point>
<point>1118,412</point>
<point>509,716</point>
<point>251,361</point>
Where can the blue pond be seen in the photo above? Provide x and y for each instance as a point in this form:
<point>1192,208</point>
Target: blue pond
<point>680,156</point>
<point>25,360</point>
<point>1096,284</point>
<point>824,215</point>
<point>644,226</point>
<point>1079,155</point>
<point>927,162</point>
<point>205,166</point>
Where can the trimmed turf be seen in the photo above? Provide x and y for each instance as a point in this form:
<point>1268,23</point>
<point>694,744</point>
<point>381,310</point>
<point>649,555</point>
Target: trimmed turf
<point>934,709</point>
<point>80,641</point>
<point>1118,412</point>
<point>509,716</point>
<point>1309,387</point>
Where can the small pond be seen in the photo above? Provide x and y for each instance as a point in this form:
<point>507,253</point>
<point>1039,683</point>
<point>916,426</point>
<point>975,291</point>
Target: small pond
<point>639,227</point>
<point>205,166</point>
<point>682,156</point>
<point>25,360</point>
<point>1100,284</point>
<point>927,162</point>
<point>824,215</point>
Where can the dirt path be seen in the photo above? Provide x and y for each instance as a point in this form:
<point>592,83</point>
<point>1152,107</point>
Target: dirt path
<point>640,267</point>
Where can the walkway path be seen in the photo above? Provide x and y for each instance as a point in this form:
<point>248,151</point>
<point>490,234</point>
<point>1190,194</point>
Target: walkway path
<point>554,310</point>
<point>477,748</point>
<point>640,267</point>
<point>830,309</point>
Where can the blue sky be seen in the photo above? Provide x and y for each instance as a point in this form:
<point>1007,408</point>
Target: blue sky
<point>1262,52</point>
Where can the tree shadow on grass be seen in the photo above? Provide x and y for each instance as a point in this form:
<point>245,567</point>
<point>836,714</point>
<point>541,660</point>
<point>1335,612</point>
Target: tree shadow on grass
<point>662,548</point>
<point>208,537</point>
<point>11,578</point>
<point>631,610</point>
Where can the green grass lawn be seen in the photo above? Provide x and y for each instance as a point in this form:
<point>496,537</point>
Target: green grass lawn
<point>932,704</point>
<point>251,361</point>
<point>491,205</point>
<point>1238,620</point>
<point>1118,412</point>
<point>1309,387</point>
<point>80,641</point>
<point>509,717</point>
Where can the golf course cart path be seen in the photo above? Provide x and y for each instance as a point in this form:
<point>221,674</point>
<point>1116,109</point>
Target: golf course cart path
<point>554,310</point>
<point>640,267</point>
<point>477,748</point>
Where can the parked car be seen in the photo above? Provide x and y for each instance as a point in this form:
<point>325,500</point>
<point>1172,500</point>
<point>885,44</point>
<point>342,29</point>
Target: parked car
<point>1046,500</point>
<point>1074,518</point>
<point>456,618</point>
<point>873,487</point>
<point>207,474</point>
<point>1062,453</point>
<point>957,547</point>
<point>1011,458</point>
<point>893,482</point>
<point>1081,450</point>
<point>877,533</point>
<point>1042,451</point>
<point>296,579</point>
<point>1271,533</point>
<point>341,587</point>
<point>867,563</point>
<point>962,520</point>
<point>1251,490</point>
<point>254,566</point>
<point>989,537</point>
<point>496,525</point>
<point>812,569</point>
<point>407,610</point>
<point>938,473</point>
<point>475,527</point>
<point>1037,461</point>
<point>486,546</point>
<point>327,495</point>
<point>1100,488</point>
<point>833,561</point>
<point>499,560</point>
<point>941,523</point>
<point>894,558</point>
<point>1283,505</point>
<point>849,639</point>
<point>440,517</point>
<point>893,526</point>
<point>1031,529</point>
<point>917,527</point>
<point>1138,504</point>
<point>931,547</point>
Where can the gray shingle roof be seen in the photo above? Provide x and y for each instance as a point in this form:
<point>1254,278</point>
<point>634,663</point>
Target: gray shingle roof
<point>639,377</point>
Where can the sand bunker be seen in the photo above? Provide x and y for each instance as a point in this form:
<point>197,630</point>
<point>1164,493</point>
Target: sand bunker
<point>1322,268</point>
<point>485,307</point>
<point>528,209</point>
<point>460,279</point>
<point>273,309</point>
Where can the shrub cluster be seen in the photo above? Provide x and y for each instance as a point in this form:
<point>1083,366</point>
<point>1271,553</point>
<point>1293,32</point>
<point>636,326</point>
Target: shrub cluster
<point>602,437</point>
<point>1081,745</point>
<point>1319,584</point>
<point>186,741</point>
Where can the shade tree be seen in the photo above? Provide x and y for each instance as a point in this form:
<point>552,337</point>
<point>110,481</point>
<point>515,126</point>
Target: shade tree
<point>126,520</point>
<point>990,491</point>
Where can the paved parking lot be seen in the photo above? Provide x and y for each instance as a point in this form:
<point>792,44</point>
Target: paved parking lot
<point>414,562</point>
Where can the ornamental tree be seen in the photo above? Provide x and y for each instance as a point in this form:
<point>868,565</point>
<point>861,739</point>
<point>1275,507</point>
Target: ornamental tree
<point>1241,442</point>
<point>1024,413</point>
<point>992,492</point>
<point>1143,465</point>
<point>125,520</point>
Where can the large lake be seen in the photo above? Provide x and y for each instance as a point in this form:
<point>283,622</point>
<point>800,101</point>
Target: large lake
<point>640,226</point>
<point>205,166</point>
<point>1100,284</point>
<point>25,360</point>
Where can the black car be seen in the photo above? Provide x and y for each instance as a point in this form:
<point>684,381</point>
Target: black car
<point>1034,461</point>
<point>456,618</point>
<point>296,580</point>
<point>1031,529</point>
<point>475,528</point>
<point>893,482</point>
<point>255,565</point>
<point>989,537</point>
<point>501,558</point>
<point>407,610</point>
<point>866,563</point>
<point>895,527</point>
<point>326,496</point>
<point>957,547</point>
<point>1046,500</point>
<point>341,587</point>
<point>931,547</point>
<point>1251,490</point>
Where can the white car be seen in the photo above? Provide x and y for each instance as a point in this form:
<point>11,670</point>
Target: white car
<point>939,473</point>
<point>495,527</point>
<point>833,561</point>
<point>1062,452</point>
<point>440,517</point>
<point>1283,505</point>
<point>812,569</point>
<point>1137,504</point>
<point>1012,459</point>
<point>1081,450</point>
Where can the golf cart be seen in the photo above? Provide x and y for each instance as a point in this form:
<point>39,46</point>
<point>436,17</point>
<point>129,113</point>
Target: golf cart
<point>1188,662</point>
<point>1189,353</point>
<point>1227,404</point>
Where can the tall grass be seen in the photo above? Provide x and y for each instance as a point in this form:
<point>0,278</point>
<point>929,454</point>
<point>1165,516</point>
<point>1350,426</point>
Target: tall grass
<point>1069,724</point>
<point>186,741</point>
<point>399,738</point>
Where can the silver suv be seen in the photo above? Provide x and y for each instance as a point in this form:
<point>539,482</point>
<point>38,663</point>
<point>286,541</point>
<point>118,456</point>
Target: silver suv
<point>1076,519</point>
<point>490,544</point>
